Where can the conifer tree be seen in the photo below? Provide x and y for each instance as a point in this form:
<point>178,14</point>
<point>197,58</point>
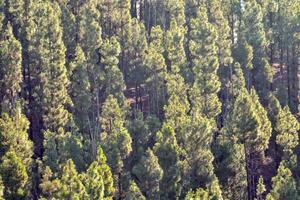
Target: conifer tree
<point>89,39</point>
<point>10,70</point>
<point>249,123</point>
<point>14,176</point>
<point>177,106</point>
<point>175,52</point>
<point>198,194</point>
<point>16,154</point>
<point>15,14</point>
<point>287,128</point>
<point>175,12</point>
<point>243,53</point>
<point>203,48</point>
<point>60,147</point>
<point>98,179</point>
<point>115,139</point>
<point>49,185</point>
<point>47,79</point>
<point>149,175</point>
<point>283,185</point>
<point>253,30</point>
<point>70,29</point>
<point>168,154</point>
<point>14,136</point>
<point>260,189</point>
<point>230,167</point>
<point>223,42</point>
<point>70,186</point>
<point>136,69</point>
<point>156,68</point>
<point>80,90</point>
<point>113,79</point>
<point>200,170</point>
<point>134,192</point>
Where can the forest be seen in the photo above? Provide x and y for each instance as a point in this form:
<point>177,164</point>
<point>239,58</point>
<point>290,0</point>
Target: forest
<point>150,99</point>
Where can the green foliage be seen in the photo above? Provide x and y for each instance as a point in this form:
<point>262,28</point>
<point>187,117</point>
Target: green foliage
<point>16,155</point>
<point>287,128</point>
<point>113,78</point>
<point>198,194</point>
<point>177,107</point>
<point>47,72</point>
<point>14,176</point>
<point>253,31</point>
<point>80,90</point>
<point>149,173</point>
<point>14,136</point>
<point>94,182</point>
<point>156,69</point>
<point>168,153</point>
<point>204,58</point>
<point>10,70</point>
<point>249,122</point>
<point>284,185</point>
<point>115,139</point>
<point>261,188</point>
<point>60,147</point>
<point>231,169</point>
<point>134,192</point>
<point>175,51</point>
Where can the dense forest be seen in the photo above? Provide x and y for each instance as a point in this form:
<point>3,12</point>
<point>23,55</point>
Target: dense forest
<point>150,99</point>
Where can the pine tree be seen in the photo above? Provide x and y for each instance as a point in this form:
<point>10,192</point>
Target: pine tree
<point>89,39</point>
<point>70,29</point>
<point>156,69</point>
<point>113,78</point>
<point>243,53</point>
<point>10,70</point>
<point>260,189</point>
<point>200,170</point>
<point>198,194</point>
<point>203,48</point>
<point>223,42</point>
<point>115,139</point>
<point>175,52</point>
<point>59,147</point>
<point>149,175</point>
<point>16,154</point>
<point>168,153</point>
<point>247,120</point>
<point>71,186</point>
<point>80,90</point>
<point>98,179</point>
<point>249,124</point>
<point>49,186</point>
<point>230,167</point>
<point>47,79</point>
<point>253,30</point>
<point>134,192</point>
<point>142,133</point>
<point>15,14</point>
<point>287,128</point>
<point>175,11</point>
<point>15,176</point>
<point>177,106</point>
<point>283,185</point>
<point>135,73</point>
<point>14,136</point>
